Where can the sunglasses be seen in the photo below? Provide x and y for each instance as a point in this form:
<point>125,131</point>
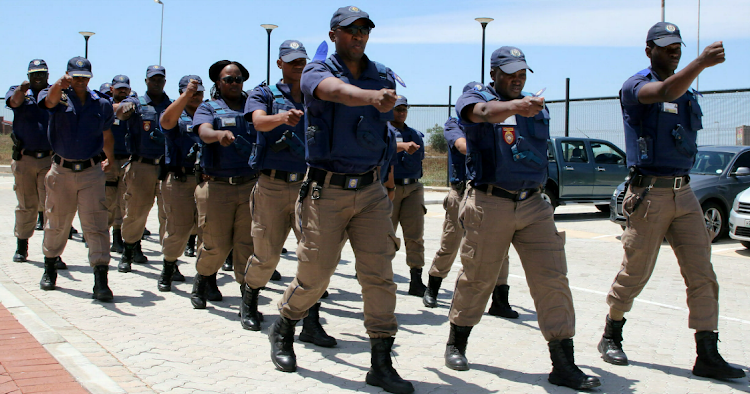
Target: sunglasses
<point>354,29</point>
<point>230,79</point>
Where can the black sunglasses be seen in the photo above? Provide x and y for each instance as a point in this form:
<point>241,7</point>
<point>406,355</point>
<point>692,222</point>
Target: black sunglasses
<point>354,29</point>
<point>229,79</point>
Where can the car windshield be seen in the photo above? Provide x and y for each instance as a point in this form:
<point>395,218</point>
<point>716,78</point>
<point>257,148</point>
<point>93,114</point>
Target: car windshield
<point>711,163</point>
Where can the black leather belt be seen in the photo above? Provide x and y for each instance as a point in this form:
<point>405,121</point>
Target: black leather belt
<point>521,195</point>
<point>286,176</point>
<point>77,165</point>
<point>145,160</point>
<point>661,182</point>
<point>122,157</point>
<point>182,170</point>
<point>233,180</point>
<point>38,154</point>
<point>406,181</point>
<point>346,181</point>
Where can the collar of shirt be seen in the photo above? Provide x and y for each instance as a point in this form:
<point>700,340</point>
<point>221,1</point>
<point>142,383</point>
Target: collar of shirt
<point>371,71</point>
<point>286,91</point>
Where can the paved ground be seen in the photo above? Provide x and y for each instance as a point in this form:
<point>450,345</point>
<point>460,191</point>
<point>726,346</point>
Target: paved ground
<point>147,341</point>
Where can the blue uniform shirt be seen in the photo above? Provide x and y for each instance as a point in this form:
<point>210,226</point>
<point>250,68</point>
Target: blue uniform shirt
<point>512,154</point>
<point>270,155</point>
<point>141,125</point>
<point>120,132</point>
<point>342,139</point>
<point>75,128</point>
<point>179,140</point>
<point>406,165</point>
<point>456,160</point>
<point>29,122</point>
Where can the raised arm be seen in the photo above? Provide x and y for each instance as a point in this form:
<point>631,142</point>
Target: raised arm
<point>336,90</point>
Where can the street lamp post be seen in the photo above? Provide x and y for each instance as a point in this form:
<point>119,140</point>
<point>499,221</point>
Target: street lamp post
<point>86,35</point>
<point>269,29</point>
<point>161,37</point>
<point>484,22</point>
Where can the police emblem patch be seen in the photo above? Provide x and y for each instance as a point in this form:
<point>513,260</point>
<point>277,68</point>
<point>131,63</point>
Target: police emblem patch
<point>671,28</point>
<point>79,63</point>
<point>292,177</point>
<point>477,87</point>
<point>515,52</point>
<point>146,125</point>
<point>509,135</point>
<point>122,79</point>
<point>398,79</point>
<point>353,183</point>
<point>37,62</point>
<point>353,9</point>
<point>155,67</point>
<point>294,45</point>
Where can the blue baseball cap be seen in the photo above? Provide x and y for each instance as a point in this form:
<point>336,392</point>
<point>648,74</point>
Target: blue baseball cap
<point>185,81</point>
<point>509,59</point>
<point>473,86</point>
<point>155,70</point>
<point>120,81</point>
<point>401,100</point>
<point>79,67</point>
<point>104,88</point>
<point>37,65</point>
<point>291,50</point>
<point>345,16</point>
<point>664,33</point>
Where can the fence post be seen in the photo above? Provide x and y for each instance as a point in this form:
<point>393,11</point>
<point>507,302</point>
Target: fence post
<point>447,161</point>
<point>567,106</point>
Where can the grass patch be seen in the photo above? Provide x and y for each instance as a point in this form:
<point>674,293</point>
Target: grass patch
<point>6,149</point>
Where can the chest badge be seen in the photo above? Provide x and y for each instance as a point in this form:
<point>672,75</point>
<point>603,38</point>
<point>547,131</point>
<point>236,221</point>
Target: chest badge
<point>509,135</point>
<point>146,125</point>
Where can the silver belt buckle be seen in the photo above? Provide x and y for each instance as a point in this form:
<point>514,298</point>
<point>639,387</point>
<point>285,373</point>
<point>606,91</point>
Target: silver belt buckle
<point>677,183</point>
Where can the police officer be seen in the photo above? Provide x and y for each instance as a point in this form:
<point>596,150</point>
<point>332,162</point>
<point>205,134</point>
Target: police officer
<point>105,91</point>
<point>661,117</point>
<point>452,231</point>
<point>408,201</point>
<point>506,134</point>
<point>31,153</point>
<point>223,198</point>
<point>348,100</point>
<point>78,132</point>
<point>120,90</point>
<point>178,189</point>
<point>277,114</point>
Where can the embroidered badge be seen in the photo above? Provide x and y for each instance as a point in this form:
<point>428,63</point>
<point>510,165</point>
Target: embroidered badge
<point>122,79</point>
<point>37,62</point>
<point>671,28</point>
<point>353,183</point>
<point>146,125</point>
<point>79,63</point>
<point>353,9</point>
<point>292,177</point>
<point>478,87</point>
<point>509,135</point>
<point>515,52</point>
<point>294,45</point>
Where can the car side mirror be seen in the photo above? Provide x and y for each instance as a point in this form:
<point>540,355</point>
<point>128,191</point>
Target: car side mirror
<point>741,171</point>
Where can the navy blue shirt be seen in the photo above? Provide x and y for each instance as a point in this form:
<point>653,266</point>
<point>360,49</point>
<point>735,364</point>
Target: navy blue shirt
<point>143,121</point>
<point>288,158</point>
<point>76,129</point>
<point>120,132</point>
<point>179,140</point>
<point>452,132</point>
<point>406,165</point>
<point>29,122</point>
<point>225,161</point>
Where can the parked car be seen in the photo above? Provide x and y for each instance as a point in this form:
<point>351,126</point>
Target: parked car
<point>718,175</point>
<point>583,170</point>
<point>739,219</point>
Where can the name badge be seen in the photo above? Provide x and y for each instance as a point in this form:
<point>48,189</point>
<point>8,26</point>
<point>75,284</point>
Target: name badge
<point>281,111</point>
<point>399,139</point>
<point>117,122</point>
<point>670,108</point>
<point>510,121</point>
<point>228,122</point>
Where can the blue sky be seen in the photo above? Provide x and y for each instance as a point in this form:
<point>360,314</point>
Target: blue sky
<point>430,44</point>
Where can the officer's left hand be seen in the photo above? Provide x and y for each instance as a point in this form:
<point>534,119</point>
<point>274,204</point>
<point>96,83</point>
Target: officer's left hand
<point>292,117</point>
<point>24,86</point>
<point>106,167</point>
<point>226,137</point>
<point>411,147</point>
<point>384,100</point>
<point>528,106</point>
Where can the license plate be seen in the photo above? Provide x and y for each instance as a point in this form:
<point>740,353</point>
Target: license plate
<point>747,222</point>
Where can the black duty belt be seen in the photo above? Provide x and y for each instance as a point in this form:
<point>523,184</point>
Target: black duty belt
<point>232,180</point>
<point>520,195</point>
<point>38,154</point>
<point>661,182</point>
<point>286,176</point>
<point>77,165</point>
<point>182,170</point>
<point>346,181</point>
<point>145,160</point>
<point>122,157</point>
<point>405,181</point>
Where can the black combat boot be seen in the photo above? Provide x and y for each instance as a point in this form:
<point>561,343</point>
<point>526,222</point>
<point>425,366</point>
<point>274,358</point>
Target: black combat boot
<point>165,278</point>
<point>39,222</point>
<point>455,349</point>
<point>177,276</point>
<point>250,318</point>
<point>22,250</point>
<point>138,256</point>
<point>430,295</point>
<point>281,336</point>
<point>381,373</point>
<point>60,265</point>
<point>49,278</point>
<point>190,247</point>
<point>126,260</point>
<point>198,296</point>
<point>276,276</point>
<point>416,287</point>
<point>500,306</point>
<point>101,287</point>
<point>212,289</point>
<point>72,231</point>
<point>146,233</point>
<point>564,369</point>
<point>709,363</point>
<point>117,244</point>
<point>283,251</point>
<point>312,331</point>
<point>611,344</point>
<point>228,265</point>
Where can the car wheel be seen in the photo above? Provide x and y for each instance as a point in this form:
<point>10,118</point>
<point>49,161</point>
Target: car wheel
<point>550,197</point>
<point>715,220</point>
<point>745,244</point>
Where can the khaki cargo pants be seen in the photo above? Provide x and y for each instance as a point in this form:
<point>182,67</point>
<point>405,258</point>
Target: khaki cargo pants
<point>409,210</point>
<point>28,175</point>
<point>115,192</point>
<point>141,187</point>
<point>181,214</point>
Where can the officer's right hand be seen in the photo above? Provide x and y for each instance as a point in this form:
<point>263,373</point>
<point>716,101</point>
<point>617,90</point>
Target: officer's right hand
<point>528,106</point>
<point>128,107</point>
<point>191,89</point>
<point>226,137</point>
<point>712,55</point>
<point>411,147</point>
<point>292,117</point>
<point>65,81</point>
<point>384,100</point>
<point>24,86</point>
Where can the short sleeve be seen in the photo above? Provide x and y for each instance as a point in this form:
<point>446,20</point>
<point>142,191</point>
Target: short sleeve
<point>630,89</point>
<point>204,114</point>
<point>466,100</point>
<point>258,99</point>
<point>108,114</point>
<point>452,132</point>
<point>312,75</point>
<point>9,94</point>
<point>41,101</point>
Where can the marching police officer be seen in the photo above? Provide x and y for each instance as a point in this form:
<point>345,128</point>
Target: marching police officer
<point>506,135</point>
<point>223,198</point>
<point>142,174</point>
<point>105,90</point>
<point>277,113</point>
<point>661,117</point>
<point>348,99</point>
<point>31,153</point>
<point>78,132</point>
<point>178,189</point>
<point>120,90</point>
<point>408,201</point>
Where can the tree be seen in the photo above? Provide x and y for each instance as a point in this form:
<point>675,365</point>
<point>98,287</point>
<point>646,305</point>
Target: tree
<point>436,139</point>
